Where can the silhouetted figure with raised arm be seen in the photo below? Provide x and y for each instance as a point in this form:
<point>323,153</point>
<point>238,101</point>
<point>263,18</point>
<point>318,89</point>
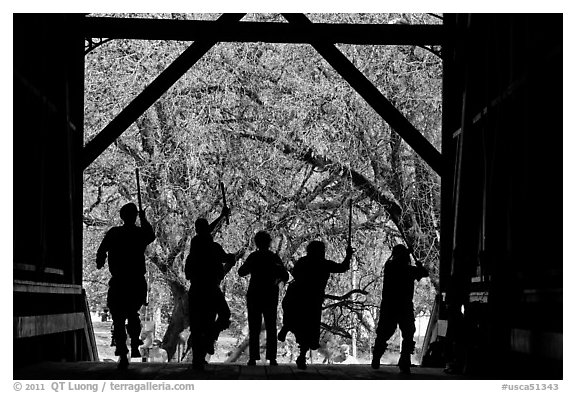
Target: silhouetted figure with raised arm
<point>396,308</point>
<point>266,272</point>
<point>206,265</point>
<point>125,246</point>
<point>302,303</point>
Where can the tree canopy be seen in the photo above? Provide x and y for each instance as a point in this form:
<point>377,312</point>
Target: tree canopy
<point>292,142</point>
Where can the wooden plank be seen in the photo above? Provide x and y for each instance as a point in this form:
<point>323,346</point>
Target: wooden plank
<point>151,93</point>
<point>547,344</point>
<point>183,371</point>
<point>282,371</point>
<point>89,330</point>
<point>25,266</point>
<point>37,325</point>
<point>32,268</point>
<point>52,270</point>
<point>46,287</point>
<point>252,372</point>
<point>272,32</point>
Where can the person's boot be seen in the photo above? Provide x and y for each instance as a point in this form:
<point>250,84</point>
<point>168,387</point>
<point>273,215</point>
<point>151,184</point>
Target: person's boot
<point>209,346</point>
<point>199,362</point>
<point>123,362</point>
<point>376,355</point>
<point>301,361</point>
<point>135,348</point>
<point>199,366</point>
<point>404,363</point>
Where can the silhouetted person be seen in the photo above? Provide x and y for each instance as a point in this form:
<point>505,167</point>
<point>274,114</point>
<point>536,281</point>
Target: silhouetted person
<point>396,308</point>
<point>209,312</point>
<point>266,272</point>
<point>302,303</point>
<point>124,246</point>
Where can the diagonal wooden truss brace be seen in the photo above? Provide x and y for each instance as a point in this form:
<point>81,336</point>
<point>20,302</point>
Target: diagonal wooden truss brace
<point>374,98</point>
<point>150,94</point>
<point>327,50</point>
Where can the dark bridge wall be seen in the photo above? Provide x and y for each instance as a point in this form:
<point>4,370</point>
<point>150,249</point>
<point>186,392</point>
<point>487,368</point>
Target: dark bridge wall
<point>501,200</point>
<point>48,136</point>
<point>502,193</point>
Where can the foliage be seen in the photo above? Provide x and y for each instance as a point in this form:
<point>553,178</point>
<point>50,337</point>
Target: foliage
<point>292,142</point>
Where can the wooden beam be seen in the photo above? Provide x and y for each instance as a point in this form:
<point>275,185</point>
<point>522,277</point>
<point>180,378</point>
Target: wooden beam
<point>38,325</point>
<point>152,93</point>
<point>274,32</point>
<point>89,331</point>
<point>46,287</point>
<point>374,98</point>
<point>34,268</point>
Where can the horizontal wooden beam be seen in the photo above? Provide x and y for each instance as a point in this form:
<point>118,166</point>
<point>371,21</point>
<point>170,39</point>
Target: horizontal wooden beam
<point>46,287</point>
<point>536,343</point>
<point>273,32</point>
<point>38,325</point>
<point>34,268</point>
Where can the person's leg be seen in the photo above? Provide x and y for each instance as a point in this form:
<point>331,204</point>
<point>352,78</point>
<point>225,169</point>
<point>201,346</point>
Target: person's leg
<point>301,359</point>
<point>119,322</point>
<point>270,312</point>
<point>196,312</point>
<point>313,325</point>
<point>115,302</point>
<point>289,311</point>
<point>254,326</point>
<point>216,316</point>
<point>408,328</point>
<point>386,328</point>
<point>222,311</point>
<point>134,329</point>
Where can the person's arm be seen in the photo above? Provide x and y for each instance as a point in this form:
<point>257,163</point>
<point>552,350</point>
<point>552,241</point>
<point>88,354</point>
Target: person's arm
<point>149,235</point>
<point>102,252</point>
<point>282,272</point>
<point>345,265</point>
<point>246,267</point>
<point>188,264</point>
<point>297,269</point>
<point>420,271</point>
<point>218,221</point>
<point>228,260</point>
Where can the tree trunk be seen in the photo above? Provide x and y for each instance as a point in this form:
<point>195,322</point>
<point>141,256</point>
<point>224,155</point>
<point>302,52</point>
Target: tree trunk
<point>235,355</point>
<point>179,320</point>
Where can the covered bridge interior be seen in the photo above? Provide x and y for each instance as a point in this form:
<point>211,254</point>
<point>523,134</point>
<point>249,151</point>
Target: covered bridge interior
<point>501,268</point>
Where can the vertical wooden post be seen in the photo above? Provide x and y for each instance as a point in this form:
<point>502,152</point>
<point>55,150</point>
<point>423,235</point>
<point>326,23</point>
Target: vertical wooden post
<point>354,328</point>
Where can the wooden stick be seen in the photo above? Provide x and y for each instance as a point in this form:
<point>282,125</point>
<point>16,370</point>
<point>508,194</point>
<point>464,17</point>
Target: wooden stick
<point>224,200</point>
<point>350,223</point>
<point>138,187</point>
